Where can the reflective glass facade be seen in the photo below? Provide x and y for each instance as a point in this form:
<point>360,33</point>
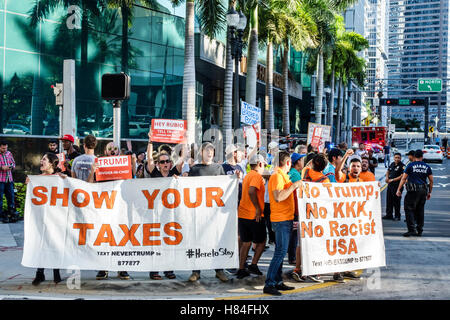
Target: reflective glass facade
<point>31,60</point>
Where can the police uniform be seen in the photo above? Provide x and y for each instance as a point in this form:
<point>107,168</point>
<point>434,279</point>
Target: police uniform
<point>392,201</point>
<point>416,196</point>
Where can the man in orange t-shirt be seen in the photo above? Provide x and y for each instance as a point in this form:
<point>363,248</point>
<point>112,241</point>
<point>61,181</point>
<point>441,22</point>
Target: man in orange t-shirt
<point>366,174</point>
<point>282,208</point>
<point>354,170</point>
<point>251,223</point>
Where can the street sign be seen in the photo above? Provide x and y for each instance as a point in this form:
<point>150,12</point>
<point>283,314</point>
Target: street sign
<point>429,85</point>
<point>403,102</point>
<point>431,129</point>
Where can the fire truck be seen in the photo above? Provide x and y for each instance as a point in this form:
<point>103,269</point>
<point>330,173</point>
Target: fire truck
<point>373,137</point>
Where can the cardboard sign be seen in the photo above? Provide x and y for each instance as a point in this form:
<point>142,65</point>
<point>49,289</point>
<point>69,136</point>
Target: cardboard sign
<point>250,114</point>
<point>325,134</point>
<point>113,168</point>
<point>316,140</point>
<point>134,225</point>
<point>169,131</point>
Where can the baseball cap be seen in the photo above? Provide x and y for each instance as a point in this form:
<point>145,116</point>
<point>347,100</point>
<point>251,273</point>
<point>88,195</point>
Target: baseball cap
<point>257,158</point>
<point>273,145</point>
<point>68,137</point>
<point>296,156</point>
<point>355,156</point>
<point>410,153</point>
<point>230,149</point>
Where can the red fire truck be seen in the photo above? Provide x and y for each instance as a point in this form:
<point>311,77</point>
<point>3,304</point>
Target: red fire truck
<point>372,137</point>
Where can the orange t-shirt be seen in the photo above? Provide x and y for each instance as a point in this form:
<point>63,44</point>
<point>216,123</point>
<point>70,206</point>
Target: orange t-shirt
<point>367,176</point>
<point>284,210</point>
<point>314,175</point>
<point>246,208</point>
<point>363,177</point>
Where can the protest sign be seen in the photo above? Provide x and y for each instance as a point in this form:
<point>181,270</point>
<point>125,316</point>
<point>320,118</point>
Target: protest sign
<point>113,168</point>
<point>155,224</point>
<point>316,139</point>
<point>168,131</point>
<point>250,114</point>
<point>325,135</point>
<point>340,227</point>
<point>62,158</point>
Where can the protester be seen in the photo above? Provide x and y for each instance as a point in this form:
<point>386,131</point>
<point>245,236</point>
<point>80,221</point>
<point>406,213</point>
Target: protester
<point>294,175</point>
<point>165,166</point>
<point>354,170</point>
<point>387,155</point>
<point>48,166</point>
<point>334,159</point>
<point>365,174</point>
<point>110,151</point>
<point>140,164</point>
<point>207,168</point>
<point>301,149</point>
<point>373,163</point>
<point>362,150</point>
<point>7,165</point>
<point>82,165</point>
<point>251,222</point>
<point>282,209</point>
<point>71,153</point>
<point>53,146</point>
<point>273,150</point>
<point>233,157</point>
<point>393,177</point>
<point>415,177</point>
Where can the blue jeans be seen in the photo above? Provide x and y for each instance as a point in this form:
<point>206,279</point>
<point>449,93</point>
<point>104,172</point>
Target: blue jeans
<point>387,160</point>
<point>7,188</point>
<point>282,231</point>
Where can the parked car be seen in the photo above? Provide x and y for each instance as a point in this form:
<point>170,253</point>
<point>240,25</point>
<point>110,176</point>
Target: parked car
<point>432,153</point>
<point>139,130</point>
<point>16,129</point>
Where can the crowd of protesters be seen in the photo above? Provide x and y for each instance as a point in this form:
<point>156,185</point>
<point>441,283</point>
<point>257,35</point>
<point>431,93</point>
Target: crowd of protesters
<point>268,180</point>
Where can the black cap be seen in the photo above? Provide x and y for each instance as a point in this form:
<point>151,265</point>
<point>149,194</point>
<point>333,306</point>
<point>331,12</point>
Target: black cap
<point>418,154</point>
<point>411,153</point>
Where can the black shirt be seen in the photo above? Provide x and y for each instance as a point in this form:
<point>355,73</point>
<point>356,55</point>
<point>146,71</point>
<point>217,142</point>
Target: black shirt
<point>372,161</point>
<point>396,170</point>
<point>213,169</point>
<point>157,174</point>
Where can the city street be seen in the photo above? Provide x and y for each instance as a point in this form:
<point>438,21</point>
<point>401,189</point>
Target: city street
<point>417,268</point>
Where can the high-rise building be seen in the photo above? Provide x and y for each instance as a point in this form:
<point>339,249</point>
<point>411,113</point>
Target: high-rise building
<point>377,56</point>
<point>418,48</point>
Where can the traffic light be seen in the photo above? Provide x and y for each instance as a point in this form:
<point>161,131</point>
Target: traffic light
<point>418,102</point>
<point>116,86</point>
<point>388,102</point>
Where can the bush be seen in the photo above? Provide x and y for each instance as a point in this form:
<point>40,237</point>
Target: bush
<point>20,192</point>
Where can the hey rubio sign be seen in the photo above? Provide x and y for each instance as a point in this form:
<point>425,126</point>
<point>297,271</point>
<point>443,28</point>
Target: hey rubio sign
<point>168,131</point>
<point>134,225</point>
<point>340,227</point>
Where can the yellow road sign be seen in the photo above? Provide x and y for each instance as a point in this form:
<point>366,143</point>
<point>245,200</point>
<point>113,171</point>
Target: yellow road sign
<point>431,129</point>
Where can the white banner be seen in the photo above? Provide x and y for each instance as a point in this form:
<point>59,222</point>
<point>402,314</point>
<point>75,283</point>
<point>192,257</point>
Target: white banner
<point>155,224</point>
<point>340,227</point>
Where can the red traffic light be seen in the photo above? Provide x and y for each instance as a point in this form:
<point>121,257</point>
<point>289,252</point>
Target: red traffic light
<point>413,101</point>
<point>388,101</point>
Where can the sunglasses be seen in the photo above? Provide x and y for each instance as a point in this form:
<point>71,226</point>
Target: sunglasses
<point>111,149</point>
<point>165,161</point>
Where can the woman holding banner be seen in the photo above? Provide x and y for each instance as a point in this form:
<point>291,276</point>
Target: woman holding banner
<point>49,166</point>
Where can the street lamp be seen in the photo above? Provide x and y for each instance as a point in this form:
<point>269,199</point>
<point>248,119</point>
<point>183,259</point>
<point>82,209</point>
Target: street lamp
<point>237,23</point>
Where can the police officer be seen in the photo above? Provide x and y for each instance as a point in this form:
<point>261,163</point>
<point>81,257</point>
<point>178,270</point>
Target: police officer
<point>393,177</point>
<point>415,178</point>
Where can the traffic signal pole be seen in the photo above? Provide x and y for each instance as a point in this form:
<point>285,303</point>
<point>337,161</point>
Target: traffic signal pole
<point>425,129</point>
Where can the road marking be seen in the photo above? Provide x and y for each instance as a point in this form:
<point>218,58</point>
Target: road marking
<point>303,289</point>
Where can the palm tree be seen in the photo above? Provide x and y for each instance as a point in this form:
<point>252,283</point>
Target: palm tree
<point>346,43</point>
<point>212,19</point>
<point>252,54</point>
<point>285,24</point>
